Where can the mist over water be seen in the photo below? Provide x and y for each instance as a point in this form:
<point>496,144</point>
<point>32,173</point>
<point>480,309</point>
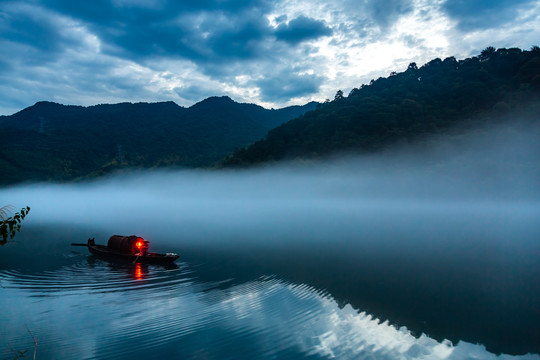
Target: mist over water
<point>441,238</point>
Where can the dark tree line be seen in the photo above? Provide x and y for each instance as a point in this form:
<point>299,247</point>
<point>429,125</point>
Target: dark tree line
<point>407,105</point>
<point>54,142</point>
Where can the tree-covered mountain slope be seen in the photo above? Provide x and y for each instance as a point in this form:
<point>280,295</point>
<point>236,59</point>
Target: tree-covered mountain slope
<point>49,141</point>
<point>407,106</point>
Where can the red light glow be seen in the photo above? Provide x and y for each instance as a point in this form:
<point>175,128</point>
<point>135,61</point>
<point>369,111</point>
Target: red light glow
<point>139,244</point>
<point>138,272</point>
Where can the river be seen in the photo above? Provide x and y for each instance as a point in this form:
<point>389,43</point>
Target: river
<point>399,262</point>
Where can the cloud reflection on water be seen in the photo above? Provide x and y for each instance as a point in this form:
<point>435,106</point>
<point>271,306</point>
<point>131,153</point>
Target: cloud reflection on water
<point>260,319</point>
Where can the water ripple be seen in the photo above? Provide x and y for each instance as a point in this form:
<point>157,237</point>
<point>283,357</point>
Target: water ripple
<point>97,276</point>
<point>125,312</point>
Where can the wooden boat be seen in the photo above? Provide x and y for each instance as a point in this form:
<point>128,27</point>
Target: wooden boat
<point>131,248</point>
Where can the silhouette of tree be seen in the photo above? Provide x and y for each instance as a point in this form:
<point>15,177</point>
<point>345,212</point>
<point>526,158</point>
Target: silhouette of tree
<point>10,225</point>
<point>487,53</point>
<point>412,66</point>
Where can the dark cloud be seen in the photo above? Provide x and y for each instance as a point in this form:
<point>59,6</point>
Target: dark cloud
<point>288,84</point>
<point>235,36</point>
<point>203,31</point>
<point>33,35</point>
<point>111,12</point>
<point>385,13</point>
<point>302,28</point>
<point>371,17</point>
<point>473,15</point>
<point>22,29</point>
<point>96,11</point>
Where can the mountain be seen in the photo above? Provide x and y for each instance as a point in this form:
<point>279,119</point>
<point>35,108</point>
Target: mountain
<point>408,106</point>
<point>49,141</point>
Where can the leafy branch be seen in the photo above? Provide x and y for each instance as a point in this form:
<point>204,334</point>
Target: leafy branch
<point>11,225</point>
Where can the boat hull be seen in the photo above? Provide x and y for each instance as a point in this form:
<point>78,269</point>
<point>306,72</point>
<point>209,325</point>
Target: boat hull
<point>150,258</point>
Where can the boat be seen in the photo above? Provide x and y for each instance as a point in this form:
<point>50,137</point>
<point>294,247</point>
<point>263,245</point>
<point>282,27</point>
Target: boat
<point>131,248</point>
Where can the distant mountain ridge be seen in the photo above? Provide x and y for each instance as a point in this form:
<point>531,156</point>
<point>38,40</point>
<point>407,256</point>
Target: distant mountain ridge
<point>50,141</point>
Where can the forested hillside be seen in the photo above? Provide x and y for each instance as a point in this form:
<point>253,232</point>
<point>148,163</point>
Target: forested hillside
<point>50,141</point>
<point>408,106</point>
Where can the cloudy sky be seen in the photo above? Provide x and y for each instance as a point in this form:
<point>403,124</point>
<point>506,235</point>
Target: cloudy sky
<point>270,52</point>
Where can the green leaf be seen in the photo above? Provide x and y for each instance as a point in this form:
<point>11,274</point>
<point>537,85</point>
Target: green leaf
<point>10,226</point>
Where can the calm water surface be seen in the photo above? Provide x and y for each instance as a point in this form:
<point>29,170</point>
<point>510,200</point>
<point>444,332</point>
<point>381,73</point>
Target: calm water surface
<point>330,301</point>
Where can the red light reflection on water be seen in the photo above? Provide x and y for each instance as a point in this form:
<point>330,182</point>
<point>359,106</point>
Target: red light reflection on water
<point>138,272</point>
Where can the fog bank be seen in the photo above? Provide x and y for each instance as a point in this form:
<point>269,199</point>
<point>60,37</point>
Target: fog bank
<point>488,179</point>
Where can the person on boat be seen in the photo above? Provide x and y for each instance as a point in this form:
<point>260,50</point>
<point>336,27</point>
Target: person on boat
<point>144,248</point>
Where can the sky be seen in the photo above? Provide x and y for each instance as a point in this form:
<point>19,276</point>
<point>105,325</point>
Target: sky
<point>273,53</point>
